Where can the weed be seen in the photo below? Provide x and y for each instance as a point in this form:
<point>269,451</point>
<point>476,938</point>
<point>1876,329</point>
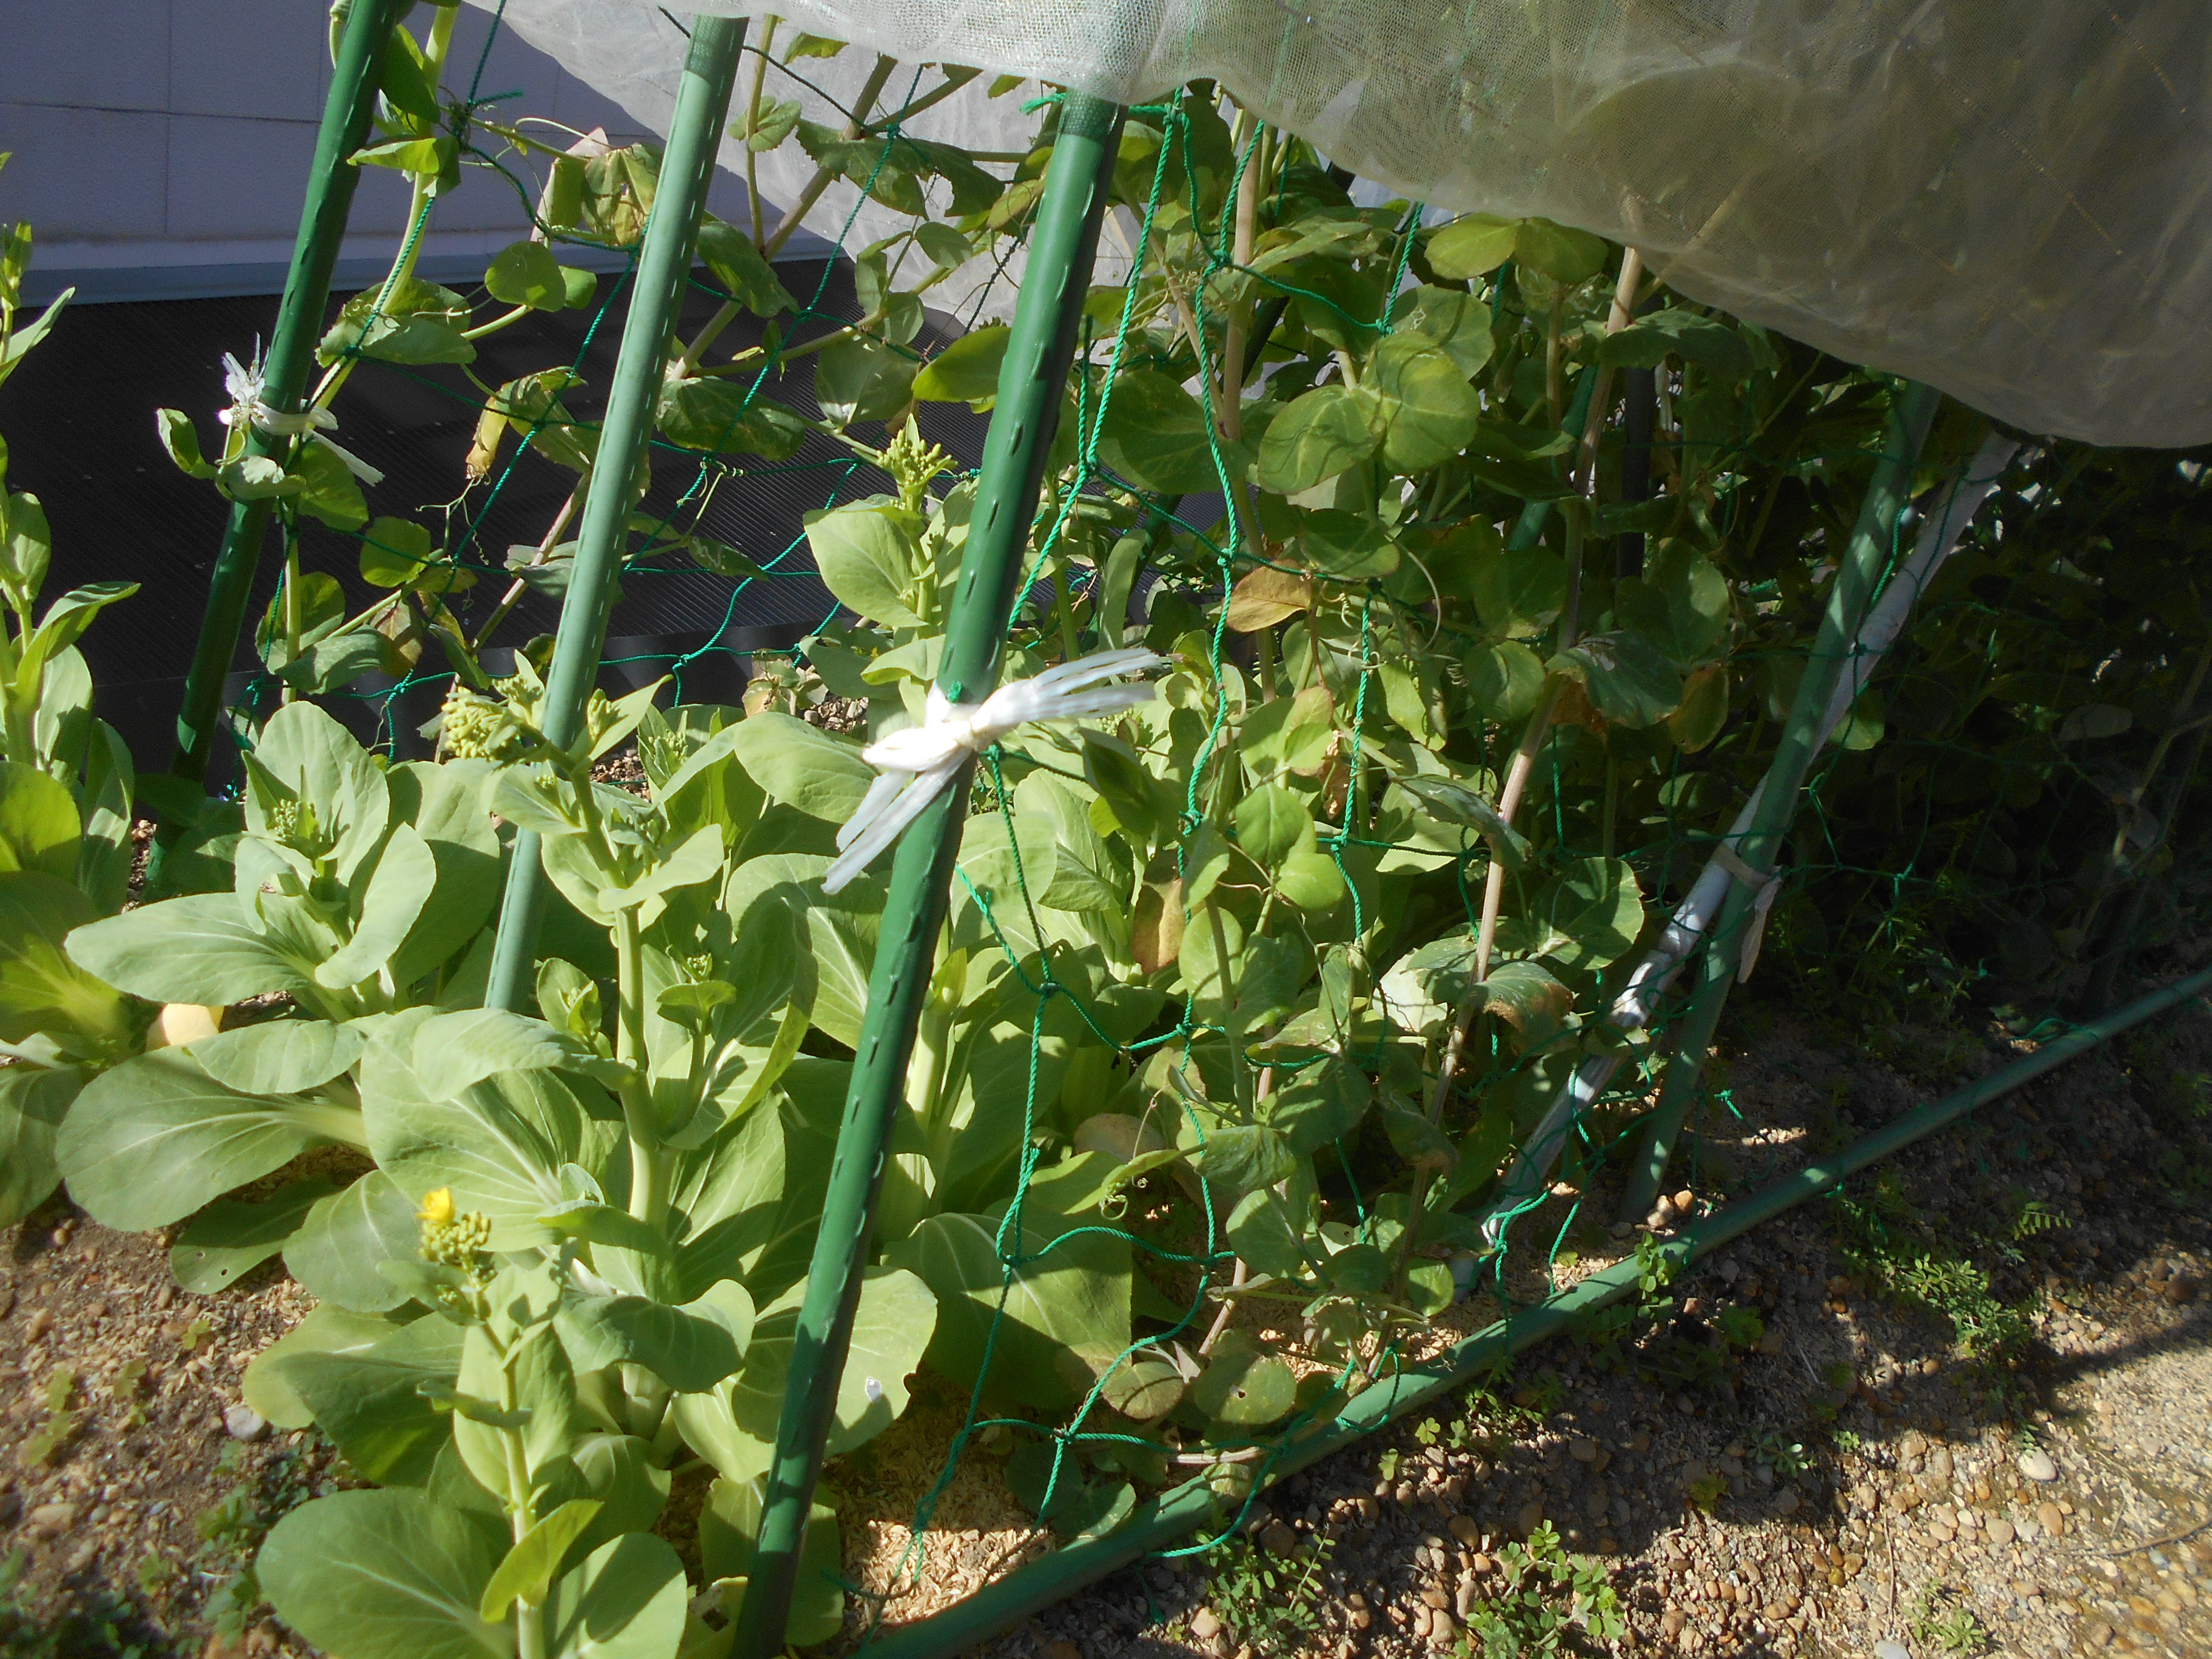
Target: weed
<point>231,1529</point>
<point>1845,1440</point>
<point>1785,1457</point>
<point>1706,1492</point>
<point>100,1626</point>
<point>1551,1601</point>
<point>1943,1622</point>
<point>2034,1217</point>
<point>39,1447</point>
<point>1268,1600</point>
<point>1742,1327</point>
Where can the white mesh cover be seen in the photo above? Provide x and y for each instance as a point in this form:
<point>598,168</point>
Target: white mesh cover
<point>2011,199</point>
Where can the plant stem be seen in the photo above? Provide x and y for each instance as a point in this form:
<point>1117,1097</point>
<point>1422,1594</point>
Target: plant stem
<point>648,1162</point>
<point>824,177</point>
<point>752,122</point>
<point>289,693</point>
<point>513,597</point>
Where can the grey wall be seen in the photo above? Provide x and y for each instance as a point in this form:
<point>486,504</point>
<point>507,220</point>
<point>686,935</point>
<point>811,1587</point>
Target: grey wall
<point>161,146</point>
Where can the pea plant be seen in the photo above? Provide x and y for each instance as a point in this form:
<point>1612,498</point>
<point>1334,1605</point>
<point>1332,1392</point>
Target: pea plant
<point>1246,995</point>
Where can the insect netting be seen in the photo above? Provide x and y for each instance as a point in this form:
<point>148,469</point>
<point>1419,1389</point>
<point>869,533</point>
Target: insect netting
<point>1297,1019</point>
<point>2006,200</point>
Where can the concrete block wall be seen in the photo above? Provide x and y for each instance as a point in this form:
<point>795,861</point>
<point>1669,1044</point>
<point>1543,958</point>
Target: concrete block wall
<point>161,147</point>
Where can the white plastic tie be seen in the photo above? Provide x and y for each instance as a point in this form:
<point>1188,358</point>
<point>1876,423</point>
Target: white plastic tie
<point>1765,886</point>
<point>248,408</point>
<point>919,763</point>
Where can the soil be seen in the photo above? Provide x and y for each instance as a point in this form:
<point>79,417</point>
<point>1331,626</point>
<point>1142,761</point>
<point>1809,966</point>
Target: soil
<point>2023,1470</point>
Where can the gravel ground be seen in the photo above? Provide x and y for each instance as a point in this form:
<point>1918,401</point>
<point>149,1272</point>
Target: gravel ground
<point>2024,1470</point>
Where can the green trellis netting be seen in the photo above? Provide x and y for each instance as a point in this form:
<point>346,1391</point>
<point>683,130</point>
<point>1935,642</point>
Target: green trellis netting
<point>2008,199</point>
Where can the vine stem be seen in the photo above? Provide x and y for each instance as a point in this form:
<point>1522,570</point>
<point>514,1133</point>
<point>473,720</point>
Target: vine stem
<point>786,227</point>
<point>752,124</point>
<point>513,597</point>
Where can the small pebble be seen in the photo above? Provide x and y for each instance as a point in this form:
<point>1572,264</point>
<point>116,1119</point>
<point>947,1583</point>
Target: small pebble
<point>2035,1463</point>
<point>48,1519</point>
<point>242,1422</point>
<point>1205,1625</point>
<point>1998,1532</point>
<point>1892,1650</point>
<point>2049,1518</point>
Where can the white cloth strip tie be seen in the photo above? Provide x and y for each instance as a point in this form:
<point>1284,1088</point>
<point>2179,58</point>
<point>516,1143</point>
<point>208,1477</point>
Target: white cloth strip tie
<point>918,763</point>
<point>1764,887</point>
<point>248,408</point>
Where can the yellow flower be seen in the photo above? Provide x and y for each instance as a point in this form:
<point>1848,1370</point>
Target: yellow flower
<point>438,1208</point>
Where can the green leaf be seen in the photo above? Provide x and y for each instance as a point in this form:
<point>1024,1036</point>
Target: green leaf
<point>38,825</point>
<point>1561,252</point>
<point>967,370</point>
<point>1319,1103</point>
<point>1450,319</point>
<point>33,1100</point>
<point>1528,999</point>
<point>603,1224</point>
<point>394,552</point>
<point>892,1328</point>
<point>1472,246</point>
<point>384,1575</point>
<point>1585,917</point>
<point>335,1253</point>
<point>803,767</point>
<point>690,1348</point>
<point>739,267</point>
<point>328,1329</point>
<point>870,557</point>
<point>372,1403</point>
<point>280,1056</point>
<point>1272,823</point>
<point>729,1531</point>
<point>1244,1388</point>
<point>1144,1388</point>
<point>228,1239</point>
<point>1157,435</point>
<point>420,322</point>
<point>499,1143</point>
<point>155,1138</point>
<point>43,991</point>
<point>62,626</point>
<point>1519,593</point>
<point>27,544</point>
<point>1505,679</point>
<point>1628,679</point>
<point>305,752</point>
<point>526,274</point>
<point>1311,881</point>
<point>1245,1158</point>
<point>1681,604</point>
<point>527,1572</point>
<point>182,440</point>
<point>715,417</point>
<point>1429,411</point>
<point>1461,804</point>
<point>1320,435</point>
<point>777,116</point>
<point>328,490</point>
<point>1710,342</point>
<point>1065,1307</point>
<point>858,380</point>
<point>1261,1232</point>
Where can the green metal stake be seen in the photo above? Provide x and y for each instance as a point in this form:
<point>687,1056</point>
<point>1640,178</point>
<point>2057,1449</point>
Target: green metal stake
<point>672,237</point>
<point>1031,380</point>
<point>330,182</point>
<point>1867,554</point>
